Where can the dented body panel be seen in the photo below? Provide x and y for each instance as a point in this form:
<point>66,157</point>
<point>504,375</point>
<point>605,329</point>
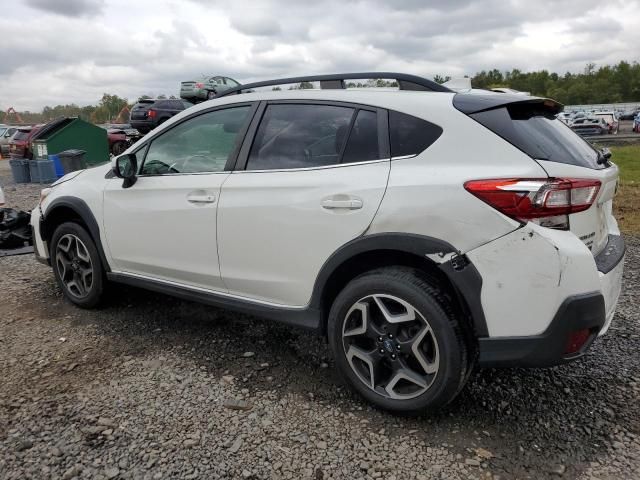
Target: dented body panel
<point>530,272</point>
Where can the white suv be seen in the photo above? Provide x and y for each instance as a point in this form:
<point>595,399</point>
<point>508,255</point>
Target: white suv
<point>422,231</point>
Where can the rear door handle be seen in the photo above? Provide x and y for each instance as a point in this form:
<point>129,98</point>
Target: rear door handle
<point>201,198</point>
<point>348,203</point>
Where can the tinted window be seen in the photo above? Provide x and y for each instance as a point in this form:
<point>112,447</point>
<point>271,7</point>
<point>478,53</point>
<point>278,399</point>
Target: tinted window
<point>200,144</point>
<point>299,136</point>
<point>20,135</point>
<point>363,139</point>
<point>539,134</point>
<point>410,135</point>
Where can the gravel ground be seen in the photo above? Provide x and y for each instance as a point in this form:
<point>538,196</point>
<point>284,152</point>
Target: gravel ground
<point>152,387</point>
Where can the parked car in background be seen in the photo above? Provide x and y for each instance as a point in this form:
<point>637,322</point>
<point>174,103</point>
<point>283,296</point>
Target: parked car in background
<point>636,124</point>
<point>588,126</point>
<point>6,132</point>
<point>147,114</point>
<point>20,145</point>
<point>613,125</point>
<point>564,117</point>
<point>206,87</point>
<point>629,114</point>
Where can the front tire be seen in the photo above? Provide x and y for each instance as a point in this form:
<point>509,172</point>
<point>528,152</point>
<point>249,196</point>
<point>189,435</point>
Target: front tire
<point>76,265</point>
<point>397,342</point>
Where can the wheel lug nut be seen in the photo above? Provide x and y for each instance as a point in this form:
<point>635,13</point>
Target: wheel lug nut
<point>391,335</point>
<point>379,339</point>
<point>393,356</point>
<point>382,351</point>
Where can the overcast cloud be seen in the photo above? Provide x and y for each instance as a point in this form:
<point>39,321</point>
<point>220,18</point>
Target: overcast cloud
<point>71,51</point>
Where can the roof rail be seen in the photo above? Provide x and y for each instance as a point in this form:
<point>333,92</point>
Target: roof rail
<point>337,81</point>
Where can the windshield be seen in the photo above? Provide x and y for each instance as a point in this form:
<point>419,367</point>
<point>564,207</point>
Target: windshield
<point>21,135</point>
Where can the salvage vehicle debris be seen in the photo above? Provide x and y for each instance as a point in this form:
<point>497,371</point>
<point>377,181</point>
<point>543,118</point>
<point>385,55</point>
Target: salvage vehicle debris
<point>15,231</point>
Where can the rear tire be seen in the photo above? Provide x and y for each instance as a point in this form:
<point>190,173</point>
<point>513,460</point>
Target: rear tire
<point>397,342</point>
<point>77,265</point>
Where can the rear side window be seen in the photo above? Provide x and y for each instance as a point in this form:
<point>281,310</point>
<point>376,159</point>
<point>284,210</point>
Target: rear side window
<point>539,134</point>
<point>299,136</point>
<point>410,135</point>
<point>363,139</point>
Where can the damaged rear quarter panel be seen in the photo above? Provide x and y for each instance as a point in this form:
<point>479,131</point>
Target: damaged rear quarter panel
<point>528,274</point>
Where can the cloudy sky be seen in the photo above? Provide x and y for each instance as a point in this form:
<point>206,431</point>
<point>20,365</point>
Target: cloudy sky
<point>64,51</point>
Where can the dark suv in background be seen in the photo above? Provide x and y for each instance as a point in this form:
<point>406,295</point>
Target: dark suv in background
<point>149,113</point>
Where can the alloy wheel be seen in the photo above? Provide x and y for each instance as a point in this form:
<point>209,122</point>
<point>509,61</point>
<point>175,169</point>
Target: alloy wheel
<point>74,265</point>
<point>390,346</point>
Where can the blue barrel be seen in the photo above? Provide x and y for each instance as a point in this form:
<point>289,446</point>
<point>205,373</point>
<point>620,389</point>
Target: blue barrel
<point>57,165</point>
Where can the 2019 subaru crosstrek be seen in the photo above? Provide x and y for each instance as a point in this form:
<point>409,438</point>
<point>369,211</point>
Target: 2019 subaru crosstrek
<point>422,231</point>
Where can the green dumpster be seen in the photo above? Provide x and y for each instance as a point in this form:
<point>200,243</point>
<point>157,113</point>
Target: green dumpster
<point>69,133</point>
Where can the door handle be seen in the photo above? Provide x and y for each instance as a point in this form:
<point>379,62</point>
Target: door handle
<point>201,198</point>
<point>348,203</point>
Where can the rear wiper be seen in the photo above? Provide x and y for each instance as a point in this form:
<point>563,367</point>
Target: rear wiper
<point>603,156</point>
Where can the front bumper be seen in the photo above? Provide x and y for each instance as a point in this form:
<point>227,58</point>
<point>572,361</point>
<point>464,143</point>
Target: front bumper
<point>40,247</point>
<point>591,311</point>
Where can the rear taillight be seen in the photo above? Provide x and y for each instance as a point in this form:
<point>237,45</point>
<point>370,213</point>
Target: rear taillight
<point>547,202</point>
<point>199,85</point>
<point>151,113</point>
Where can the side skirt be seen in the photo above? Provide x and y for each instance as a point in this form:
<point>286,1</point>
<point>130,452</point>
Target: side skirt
<point>306,318</point>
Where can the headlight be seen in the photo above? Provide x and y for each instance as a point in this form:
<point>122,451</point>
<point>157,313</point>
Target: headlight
<point>44,193</point>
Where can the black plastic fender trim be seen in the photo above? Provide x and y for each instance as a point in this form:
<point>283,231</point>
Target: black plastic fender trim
<point>81,208</point>
<point>459,270</point>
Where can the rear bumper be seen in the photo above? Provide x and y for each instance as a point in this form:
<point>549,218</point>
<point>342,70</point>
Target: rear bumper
<point>576,313</point>
<point>590,311</point>
<point>144,124</point>
<point>193,93</point>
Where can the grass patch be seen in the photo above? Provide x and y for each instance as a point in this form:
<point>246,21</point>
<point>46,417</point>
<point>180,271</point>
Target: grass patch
<point>627,202</point>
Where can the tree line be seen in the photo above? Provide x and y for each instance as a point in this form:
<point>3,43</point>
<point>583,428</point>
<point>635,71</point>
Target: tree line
<point>606,84</point>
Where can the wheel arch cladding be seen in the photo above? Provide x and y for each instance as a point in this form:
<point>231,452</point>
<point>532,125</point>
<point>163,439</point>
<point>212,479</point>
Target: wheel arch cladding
<point>65,209</point>
<point>363,254</point>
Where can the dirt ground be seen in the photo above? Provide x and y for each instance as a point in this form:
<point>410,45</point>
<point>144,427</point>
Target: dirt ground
<point>152,387</point>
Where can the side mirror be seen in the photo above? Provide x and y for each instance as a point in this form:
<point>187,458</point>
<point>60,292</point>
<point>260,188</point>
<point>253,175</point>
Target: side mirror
<point>126,167</point>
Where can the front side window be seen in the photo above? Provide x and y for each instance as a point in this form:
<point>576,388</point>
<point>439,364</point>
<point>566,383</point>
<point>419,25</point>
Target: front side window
<point>198,145</point>
<point>300,136</point>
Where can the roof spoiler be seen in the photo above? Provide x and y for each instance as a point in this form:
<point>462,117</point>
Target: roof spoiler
<point>470,103</point>
<point>337,81</point>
